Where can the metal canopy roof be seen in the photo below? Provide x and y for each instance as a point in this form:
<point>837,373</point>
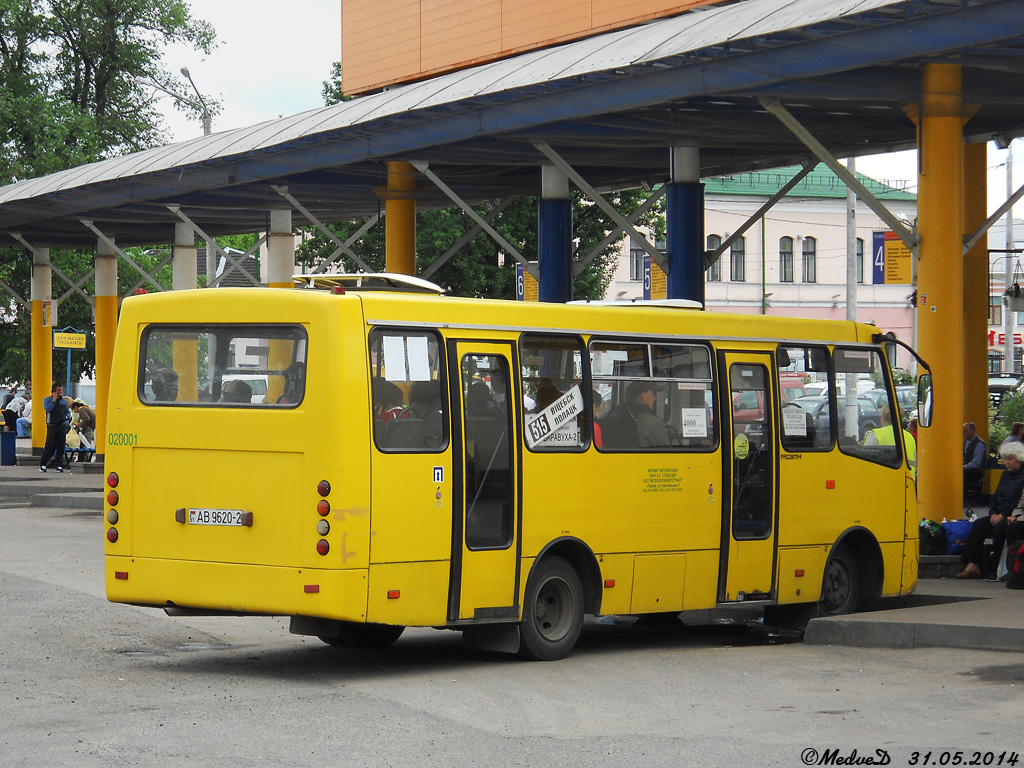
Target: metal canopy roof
<point>611,105</point>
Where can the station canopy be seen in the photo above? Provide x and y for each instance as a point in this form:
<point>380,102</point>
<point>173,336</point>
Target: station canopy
<point>609,105</point>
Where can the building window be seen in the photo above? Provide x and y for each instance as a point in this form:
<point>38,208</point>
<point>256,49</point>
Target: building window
<point>810,259</point>
<point>636,263</point>
<point>860,260</point>
<point>995,310</point>
<point>714,272</point>
<point>785,259</point>
<point>737,259</point>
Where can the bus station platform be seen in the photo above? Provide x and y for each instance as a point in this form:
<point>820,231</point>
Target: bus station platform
<point>943,612</point>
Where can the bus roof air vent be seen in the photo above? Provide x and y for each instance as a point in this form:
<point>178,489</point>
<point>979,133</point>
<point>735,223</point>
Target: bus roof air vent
<point>369,281</point>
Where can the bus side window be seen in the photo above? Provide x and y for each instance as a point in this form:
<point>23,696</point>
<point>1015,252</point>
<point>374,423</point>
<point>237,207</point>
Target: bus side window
<point>805,424</point>
<point>552,372</point>
<point>409,412</point>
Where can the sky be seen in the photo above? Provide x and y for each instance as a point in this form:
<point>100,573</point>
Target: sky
<point>271,61</point>
<point>274,56</point>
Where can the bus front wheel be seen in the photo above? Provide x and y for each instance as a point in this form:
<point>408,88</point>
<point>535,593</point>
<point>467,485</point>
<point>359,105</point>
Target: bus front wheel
<point>366,636</point>
<point>840,587</point>
<point>552,612</point>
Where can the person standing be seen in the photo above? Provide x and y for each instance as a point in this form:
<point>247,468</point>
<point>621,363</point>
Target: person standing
<point>58,416</point>
<point>9,416</point>
<point>86,420</point>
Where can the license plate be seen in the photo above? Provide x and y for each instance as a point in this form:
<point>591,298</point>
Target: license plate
<point>207,516</point>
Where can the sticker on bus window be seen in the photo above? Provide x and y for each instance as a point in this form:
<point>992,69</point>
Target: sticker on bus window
<point>794,421</point>
<point>394,358</point>
<point>419,359</point>
<point>559,414</point>
<point>695,422</point>
<point>741,446</point>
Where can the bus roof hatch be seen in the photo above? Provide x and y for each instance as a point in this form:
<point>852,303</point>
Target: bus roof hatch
<point>369,281</point>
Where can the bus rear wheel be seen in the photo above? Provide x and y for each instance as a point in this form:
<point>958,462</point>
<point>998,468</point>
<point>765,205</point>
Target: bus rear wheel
<point>366,636</point>
<point>552,612</point>
<point>840,588</point>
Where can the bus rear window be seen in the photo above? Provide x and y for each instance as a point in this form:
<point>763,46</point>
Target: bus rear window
<point>228,365</point>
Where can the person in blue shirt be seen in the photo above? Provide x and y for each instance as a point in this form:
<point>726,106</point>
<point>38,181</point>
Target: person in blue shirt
<point>58,417</point>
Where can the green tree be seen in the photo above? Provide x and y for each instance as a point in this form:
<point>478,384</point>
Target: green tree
<point>77,84</point>
<point>478,269</point>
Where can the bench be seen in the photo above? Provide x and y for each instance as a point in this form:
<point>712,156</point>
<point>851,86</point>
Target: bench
<point>83,455</point>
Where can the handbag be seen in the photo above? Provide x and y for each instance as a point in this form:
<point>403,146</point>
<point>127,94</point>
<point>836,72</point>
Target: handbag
<point>956,533</point>
<point>932,539</point>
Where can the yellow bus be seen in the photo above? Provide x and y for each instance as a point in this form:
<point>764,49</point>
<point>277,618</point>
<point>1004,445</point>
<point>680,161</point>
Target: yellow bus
<point>498,468</point>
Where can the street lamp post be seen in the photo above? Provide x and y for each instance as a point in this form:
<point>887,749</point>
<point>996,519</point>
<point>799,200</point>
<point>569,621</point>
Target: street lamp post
<point>207,122</point>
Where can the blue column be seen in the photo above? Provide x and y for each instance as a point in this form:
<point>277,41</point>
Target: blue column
<point>554,236</point>
<point>684,221</point>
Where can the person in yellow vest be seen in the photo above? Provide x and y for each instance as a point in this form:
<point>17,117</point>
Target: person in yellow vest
<point>886,435</point>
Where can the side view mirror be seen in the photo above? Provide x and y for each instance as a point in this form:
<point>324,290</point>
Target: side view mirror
<point>924,400</point>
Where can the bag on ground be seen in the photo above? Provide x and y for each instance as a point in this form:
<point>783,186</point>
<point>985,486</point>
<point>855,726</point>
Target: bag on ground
<point>1015,565</point>
<point>956,532</point>
<point>932,538</point>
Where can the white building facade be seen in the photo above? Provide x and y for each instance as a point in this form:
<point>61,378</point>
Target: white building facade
<point>792,261</point>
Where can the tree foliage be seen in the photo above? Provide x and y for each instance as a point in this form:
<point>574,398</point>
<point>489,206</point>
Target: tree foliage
<point>479,268</point>
<point>77,84</point>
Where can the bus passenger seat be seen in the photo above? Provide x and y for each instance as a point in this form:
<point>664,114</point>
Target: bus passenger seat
<point>618,429</point>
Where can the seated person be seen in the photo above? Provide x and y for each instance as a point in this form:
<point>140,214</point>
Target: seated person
<point>1005,502</point>
<point>974,456</point>
<point>165,385</point>
<point>294,384</point>
<point>236,391</point>
<point>641,398</point>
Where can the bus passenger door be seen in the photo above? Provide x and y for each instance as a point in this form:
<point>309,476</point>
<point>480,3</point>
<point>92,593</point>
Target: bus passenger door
<point>749,519</point>
<point>485,542</point>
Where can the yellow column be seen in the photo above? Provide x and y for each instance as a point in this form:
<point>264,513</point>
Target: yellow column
<point>106,329</point>
<point>941,288</point>
<point>976,290</point>
<point>400,219</point>
<point>42,345</point>
<point>184,277</point>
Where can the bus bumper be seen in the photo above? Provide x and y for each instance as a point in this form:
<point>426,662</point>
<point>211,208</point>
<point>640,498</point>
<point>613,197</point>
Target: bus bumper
<point>234,588</point>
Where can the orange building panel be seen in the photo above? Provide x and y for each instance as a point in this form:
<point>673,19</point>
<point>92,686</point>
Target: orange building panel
<point>385,42</point>
<point>610,14</point>
<point>533,23</point>
<point>471,27</point>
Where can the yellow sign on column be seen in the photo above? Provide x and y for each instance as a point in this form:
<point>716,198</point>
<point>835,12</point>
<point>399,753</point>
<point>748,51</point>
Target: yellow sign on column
<point>62,340</point>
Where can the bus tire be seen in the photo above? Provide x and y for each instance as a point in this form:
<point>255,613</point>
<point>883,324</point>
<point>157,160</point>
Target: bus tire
<point>366,636</point>
<point>552,612</point>
<point>840,586</point>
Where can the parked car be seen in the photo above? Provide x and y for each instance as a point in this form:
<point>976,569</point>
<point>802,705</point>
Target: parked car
<point>868,416</point>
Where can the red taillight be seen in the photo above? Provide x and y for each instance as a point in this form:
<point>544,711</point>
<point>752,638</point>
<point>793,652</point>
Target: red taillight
<point>321,546</point>
<point>121,575</point>
<point>111,535</point>
<point>323,507</point>
<point>323,488</point>
<point>112,498</point>
<point>112,479</point>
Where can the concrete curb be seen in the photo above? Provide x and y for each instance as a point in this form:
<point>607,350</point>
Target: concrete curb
<point>907,634</point>
<point>92,502</point>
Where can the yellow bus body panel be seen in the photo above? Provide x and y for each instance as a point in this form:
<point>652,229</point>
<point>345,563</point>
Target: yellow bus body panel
<point>653,521</point>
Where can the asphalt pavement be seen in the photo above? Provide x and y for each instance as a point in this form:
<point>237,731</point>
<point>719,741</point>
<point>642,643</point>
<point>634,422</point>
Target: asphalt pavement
<point>941,613</point>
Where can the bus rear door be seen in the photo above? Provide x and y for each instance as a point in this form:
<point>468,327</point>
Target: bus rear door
<point>485,545</point>
<point>749,517</point>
